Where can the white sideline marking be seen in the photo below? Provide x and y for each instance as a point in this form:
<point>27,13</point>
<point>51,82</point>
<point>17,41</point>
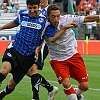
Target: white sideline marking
<point>73,85</point>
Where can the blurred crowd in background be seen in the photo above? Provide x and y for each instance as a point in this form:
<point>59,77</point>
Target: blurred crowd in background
<point>85,7</point>
<point>9,6</point>
<point>80,7</point>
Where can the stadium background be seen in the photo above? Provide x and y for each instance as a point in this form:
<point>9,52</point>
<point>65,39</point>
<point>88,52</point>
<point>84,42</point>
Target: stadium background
<point>90,50</point>
<point>85,46</point>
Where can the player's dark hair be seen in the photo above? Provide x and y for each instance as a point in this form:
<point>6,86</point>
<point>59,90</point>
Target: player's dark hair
<point>52,7</point>
<point>32,2</point>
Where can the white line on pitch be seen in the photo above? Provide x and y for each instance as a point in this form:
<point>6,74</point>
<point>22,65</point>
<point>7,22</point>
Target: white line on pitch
<point>73,85</point>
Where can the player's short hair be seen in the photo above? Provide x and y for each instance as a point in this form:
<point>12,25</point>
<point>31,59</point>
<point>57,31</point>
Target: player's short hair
<point>32,2</point>
<point>52,7</point>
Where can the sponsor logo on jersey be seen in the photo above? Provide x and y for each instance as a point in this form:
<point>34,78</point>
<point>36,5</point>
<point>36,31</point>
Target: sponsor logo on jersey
<point>31,25</point>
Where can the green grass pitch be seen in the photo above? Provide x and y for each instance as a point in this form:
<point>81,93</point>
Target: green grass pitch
<point>23,90</point>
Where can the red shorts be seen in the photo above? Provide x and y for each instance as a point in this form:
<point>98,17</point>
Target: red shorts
<point>73,67</point>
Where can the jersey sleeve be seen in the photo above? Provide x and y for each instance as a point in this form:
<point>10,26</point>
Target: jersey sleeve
<point>50,31</point>
<point>71,18</point>
<point>78,19</point>
<point>16,20</point>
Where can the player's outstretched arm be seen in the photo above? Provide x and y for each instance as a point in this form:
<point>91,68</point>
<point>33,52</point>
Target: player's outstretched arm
<point>91,18</point>
<point>8,25</point>
<point>59,33</point>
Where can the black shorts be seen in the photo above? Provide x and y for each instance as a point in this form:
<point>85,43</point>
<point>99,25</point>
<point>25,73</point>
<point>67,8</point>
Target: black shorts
<point>20,64</point>
<point>41,57</point>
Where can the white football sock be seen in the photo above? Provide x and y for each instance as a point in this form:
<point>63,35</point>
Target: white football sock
<point>72,97</point>
<point>78,91</point>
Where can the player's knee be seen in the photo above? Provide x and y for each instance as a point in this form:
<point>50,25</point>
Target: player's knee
<point>4,72</point>
<point>30,73</point>
<point>33,70</point>
<point>85,87</point>
<point>66,83</point>
<point>6,68</point>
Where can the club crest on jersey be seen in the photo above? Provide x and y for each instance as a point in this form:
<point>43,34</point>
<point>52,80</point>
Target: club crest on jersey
<point>9,54</point>
<point>41,20</point>
<point>31,25</point>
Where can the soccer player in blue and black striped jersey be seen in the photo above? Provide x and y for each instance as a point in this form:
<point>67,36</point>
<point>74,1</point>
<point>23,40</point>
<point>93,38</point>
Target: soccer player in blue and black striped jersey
<point>36,78</point>
<point>20,54</point>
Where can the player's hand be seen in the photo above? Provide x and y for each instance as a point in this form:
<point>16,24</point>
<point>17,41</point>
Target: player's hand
<point>71,25</point>
<point>37,50</point>
<point>74,24</point>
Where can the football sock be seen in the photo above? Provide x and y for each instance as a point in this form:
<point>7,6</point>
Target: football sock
<point>45,84</point>
<point>70,93</point>
<point>2,77</point>
<point>35,93</point>
<point>79,90</point>
<point>35,81</point>
<point>5,92</point>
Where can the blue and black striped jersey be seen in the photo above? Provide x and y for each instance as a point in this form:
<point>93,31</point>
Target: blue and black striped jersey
<point>30,34</point>
<point>44,11</point>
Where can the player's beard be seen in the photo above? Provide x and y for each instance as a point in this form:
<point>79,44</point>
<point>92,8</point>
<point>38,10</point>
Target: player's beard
<point>34,14</point>
<point>55,24</point>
